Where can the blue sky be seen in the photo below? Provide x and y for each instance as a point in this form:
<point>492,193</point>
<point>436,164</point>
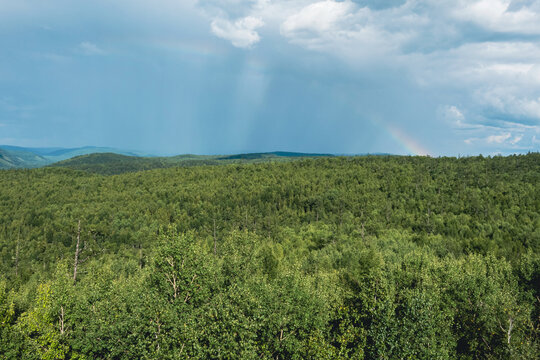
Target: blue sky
<point>439,77</point>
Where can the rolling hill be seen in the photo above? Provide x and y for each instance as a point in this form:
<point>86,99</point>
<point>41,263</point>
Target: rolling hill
<point>110,163</point>
<point>16,157</point>
<point>271,155</point>
<point>105,160</point>
<point>13,159</point>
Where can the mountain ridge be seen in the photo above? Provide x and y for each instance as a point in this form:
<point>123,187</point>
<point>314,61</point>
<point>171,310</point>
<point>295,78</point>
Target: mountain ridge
<point>18,157</point>
<point>106,160</point>
<point>13,159</point>
<point>112,164</point>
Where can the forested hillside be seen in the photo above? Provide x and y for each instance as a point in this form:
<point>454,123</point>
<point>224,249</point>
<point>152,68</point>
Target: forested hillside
<point>376,257</point>
<point>16,157</point>
<point>113,164</point>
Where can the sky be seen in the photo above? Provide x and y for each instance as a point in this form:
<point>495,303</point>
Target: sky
<point>411,77</point>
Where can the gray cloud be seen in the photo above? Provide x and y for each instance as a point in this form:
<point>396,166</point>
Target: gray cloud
<point>476,62</point>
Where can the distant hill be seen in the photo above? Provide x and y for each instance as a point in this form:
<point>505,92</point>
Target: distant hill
<point>27,157</point>
<point>110,164</point>
<point>54,154</point>
<point>105,160</point>
<point>13,159</point>
<point>269,155</point>
<point>38,151</point>
<point>63,154</point>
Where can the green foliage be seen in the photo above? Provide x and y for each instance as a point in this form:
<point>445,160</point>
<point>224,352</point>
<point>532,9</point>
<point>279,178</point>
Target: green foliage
<point>42,337</point>
<point>335,258</point>
<point>10,338</point>
<point>112,163</point>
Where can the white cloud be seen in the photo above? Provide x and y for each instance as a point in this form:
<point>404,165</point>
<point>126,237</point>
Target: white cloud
<point>88,48</point>
<point>454,115</point>
<point>358,35</point>
<point>498,139</point>
<point>507,136</point>
<point>510,101</point>
<point>504,139</point>
<point>516,139</point>
<point>318,18</point>
<point>242,33</point>
<point>497,85</point>
<point>495,15</point>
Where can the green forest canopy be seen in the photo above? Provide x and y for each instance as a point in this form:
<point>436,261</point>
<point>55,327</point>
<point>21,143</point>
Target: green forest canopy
<point>377,257</point>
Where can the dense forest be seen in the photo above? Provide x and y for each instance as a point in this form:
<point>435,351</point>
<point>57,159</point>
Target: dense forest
<point>373,257</point>
<point>112,164</point>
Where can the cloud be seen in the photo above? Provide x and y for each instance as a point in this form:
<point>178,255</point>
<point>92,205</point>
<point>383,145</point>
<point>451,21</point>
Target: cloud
<point>88,48</point>
<point>495,83</point>
<point>454,116</point>
<point>498,15</point>
<point>318,18</point>
<point>467,68</point>
<point>516,139</point>
<point>507,102</point>
<point>241,33</point>
<point>498,139</point>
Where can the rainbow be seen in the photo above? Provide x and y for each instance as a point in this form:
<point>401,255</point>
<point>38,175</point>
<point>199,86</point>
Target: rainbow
<point>410,144</point>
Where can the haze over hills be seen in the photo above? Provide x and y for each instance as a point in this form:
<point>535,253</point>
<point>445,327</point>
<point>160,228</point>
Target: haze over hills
<point>10,159</point>
<point>16,157</point>
<point>104,160</point>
